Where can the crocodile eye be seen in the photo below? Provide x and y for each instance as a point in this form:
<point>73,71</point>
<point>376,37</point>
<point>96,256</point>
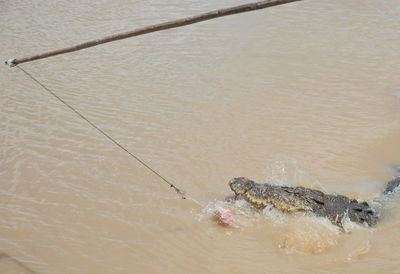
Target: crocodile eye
<point>370,211</point>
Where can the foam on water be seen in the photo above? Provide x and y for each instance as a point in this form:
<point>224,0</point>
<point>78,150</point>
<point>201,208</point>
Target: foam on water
<point>298,232</point>
<point>308,235</point>
<point>287,171</point>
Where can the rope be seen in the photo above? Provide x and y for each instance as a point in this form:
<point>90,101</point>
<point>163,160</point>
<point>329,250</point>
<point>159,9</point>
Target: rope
<point>179,191</point>
<point>158,27</point>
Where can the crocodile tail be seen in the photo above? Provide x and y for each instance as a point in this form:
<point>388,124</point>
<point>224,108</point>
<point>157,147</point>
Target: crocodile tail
<point>392,185</point>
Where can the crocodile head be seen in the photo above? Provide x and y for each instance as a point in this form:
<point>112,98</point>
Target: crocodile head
<point>240,185</point>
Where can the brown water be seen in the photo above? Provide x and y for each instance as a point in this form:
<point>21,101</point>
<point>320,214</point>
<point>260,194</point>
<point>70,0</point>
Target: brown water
<point>302,94</point>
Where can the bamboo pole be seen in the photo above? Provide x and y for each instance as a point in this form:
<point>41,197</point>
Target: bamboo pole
<point>157,27</point>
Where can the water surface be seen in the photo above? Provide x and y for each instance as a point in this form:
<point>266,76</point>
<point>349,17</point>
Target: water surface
<point>301,94</point>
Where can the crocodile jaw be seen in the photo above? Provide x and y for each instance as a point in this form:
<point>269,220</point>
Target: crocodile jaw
<point>281,205</point>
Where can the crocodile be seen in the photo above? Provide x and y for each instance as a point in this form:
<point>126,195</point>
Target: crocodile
<point>335,207</point>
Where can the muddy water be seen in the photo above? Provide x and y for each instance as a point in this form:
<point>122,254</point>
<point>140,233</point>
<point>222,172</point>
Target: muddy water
<point>302,94</point>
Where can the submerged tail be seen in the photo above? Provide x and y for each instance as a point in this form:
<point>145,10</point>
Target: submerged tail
<point>392,185</point>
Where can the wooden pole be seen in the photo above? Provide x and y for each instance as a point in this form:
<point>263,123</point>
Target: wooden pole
<point>153,28</point>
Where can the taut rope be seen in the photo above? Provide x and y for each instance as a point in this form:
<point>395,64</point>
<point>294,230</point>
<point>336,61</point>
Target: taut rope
<point>179,191</point>
<point>140,31</point>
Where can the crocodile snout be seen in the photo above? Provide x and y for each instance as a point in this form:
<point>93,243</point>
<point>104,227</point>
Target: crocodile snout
<point>240,185</point>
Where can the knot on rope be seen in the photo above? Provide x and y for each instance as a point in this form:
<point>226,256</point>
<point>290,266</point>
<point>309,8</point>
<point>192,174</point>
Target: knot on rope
<point>11,62</point>
<point>180,192</point>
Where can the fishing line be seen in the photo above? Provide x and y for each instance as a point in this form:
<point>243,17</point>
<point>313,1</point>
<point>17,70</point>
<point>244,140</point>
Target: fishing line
<point>141,31</point>
<point>179,191</point>
<point>224,215</point>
